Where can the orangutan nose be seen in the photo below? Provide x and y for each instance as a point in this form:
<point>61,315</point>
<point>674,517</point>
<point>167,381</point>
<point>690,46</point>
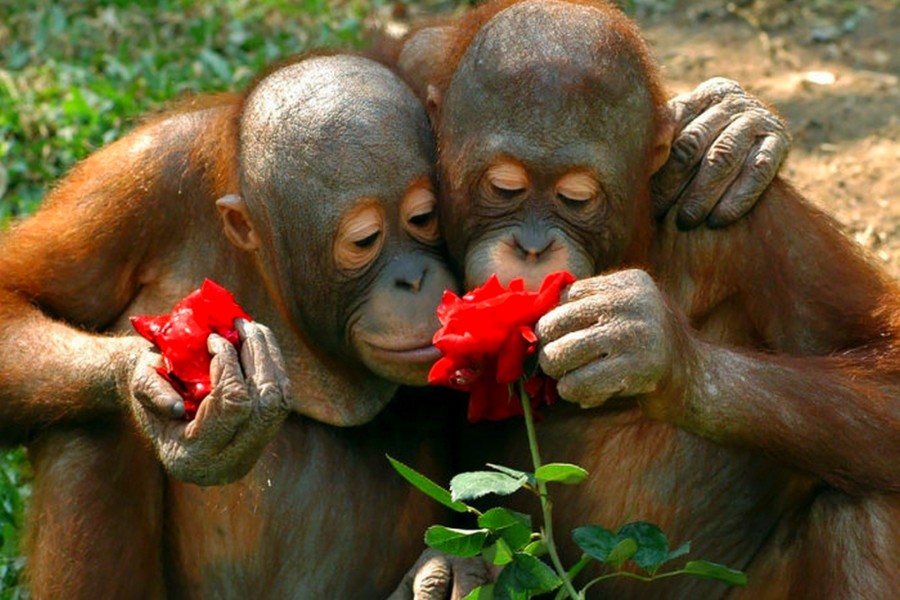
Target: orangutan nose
<point>532,244</point>
<point>412,279</point>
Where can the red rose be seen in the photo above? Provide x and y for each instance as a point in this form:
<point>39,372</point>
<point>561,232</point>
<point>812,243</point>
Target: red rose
<point>486,336</point>
<point>181,336</point>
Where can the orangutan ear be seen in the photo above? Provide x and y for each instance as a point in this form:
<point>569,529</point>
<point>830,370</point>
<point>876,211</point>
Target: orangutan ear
<point>662,144</point>
<point>433,102</point>
<point>237,223</point>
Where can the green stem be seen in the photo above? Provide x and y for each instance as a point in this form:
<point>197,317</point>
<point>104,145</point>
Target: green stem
<point>546,504</point>
<point>573,573</point>
<point>631,575</point>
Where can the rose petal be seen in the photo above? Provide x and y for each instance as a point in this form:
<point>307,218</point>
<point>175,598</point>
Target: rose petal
<point>485,337</point>
<point>182,338</point>
<point>148,326</point>
<point>511,359</point>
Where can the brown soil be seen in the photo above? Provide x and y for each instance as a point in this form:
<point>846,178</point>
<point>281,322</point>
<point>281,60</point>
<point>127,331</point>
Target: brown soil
<point>847,132</point>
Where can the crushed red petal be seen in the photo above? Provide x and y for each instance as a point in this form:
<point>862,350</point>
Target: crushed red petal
<point>182,335</point>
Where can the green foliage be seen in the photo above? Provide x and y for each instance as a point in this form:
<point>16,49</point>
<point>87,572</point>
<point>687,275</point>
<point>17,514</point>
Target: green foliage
<point>475,484</point>
<point>507,538</point>
<point>708,570</point>
<point>76,75</point>
<point>561,473</point>
<point>525,577</point>
<point>458,542</point>
<point>14,492</point>
<point>425,485</point>
<point>514,528</point>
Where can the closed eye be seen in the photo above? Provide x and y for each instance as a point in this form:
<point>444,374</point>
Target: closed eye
<point>507,179</point>
<point>422,219</point>
<point>368,241</point>
<point>576,188</point>
<point>506,193</point>
<point>572,201</point>
<point>418,209</point>
<point>360,235</point>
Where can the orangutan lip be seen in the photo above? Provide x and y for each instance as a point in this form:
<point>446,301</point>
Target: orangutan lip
<point>423,354</point>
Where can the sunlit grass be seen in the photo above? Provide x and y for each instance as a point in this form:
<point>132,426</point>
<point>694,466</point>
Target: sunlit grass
<point>73,76</point>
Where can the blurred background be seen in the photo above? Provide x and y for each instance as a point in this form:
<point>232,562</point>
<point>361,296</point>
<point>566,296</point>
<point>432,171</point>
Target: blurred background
<point>77,74</point>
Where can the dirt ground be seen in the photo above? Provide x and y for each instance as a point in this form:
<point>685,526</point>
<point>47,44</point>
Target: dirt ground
<point>833,71</point>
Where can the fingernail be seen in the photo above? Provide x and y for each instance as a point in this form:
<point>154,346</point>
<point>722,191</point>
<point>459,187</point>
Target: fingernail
<point>686,220</point>
<point>177,409</point>
<point>241,326</point>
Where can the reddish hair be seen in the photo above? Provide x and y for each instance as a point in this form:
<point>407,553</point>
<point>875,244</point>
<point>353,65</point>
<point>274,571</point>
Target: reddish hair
<point>466,27</point>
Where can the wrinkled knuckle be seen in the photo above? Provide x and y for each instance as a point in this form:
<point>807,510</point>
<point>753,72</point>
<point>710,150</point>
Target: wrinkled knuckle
<point>782,136</point>
<point>677,104</point>
<point>628,276</point>
<point>723,88</point>
<point>725,83</point>
<point>433,582</point>
<point>263,329</point>
<point>761,173</point>
<point>690,213</point>
<point>237,407</point>
<point>140,387</point>
<point>736,105</point>
<point>232,388</point>
<point>268,392</point>
<point>763,164</point>
<point>772,121</point>
<point>718,166</point>
<point>781,144</point>
<point>226,356</point>
<point>547,334</point>
<point>642,337</point>
<point>275,354</point>
<point>548,359</point>
<point>723,154</point>
<point>688,145</point>
<point>582,287</point>
<point>760,114</point>
<point>644,303</point>
<point>775,127</point>
<point>634,285</point>
<point>758,121</point>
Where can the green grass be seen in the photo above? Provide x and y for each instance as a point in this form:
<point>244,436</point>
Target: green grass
<point>75,75</point>
<point>14,492</point>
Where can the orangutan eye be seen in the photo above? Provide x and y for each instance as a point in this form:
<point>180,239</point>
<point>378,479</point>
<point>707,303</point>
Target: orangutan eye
<point>507,179</point>
<point>367,241</point>
<point>575,188</point>
<point>422,219</point>
<point>360,235</point>
<point>418,209</point>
